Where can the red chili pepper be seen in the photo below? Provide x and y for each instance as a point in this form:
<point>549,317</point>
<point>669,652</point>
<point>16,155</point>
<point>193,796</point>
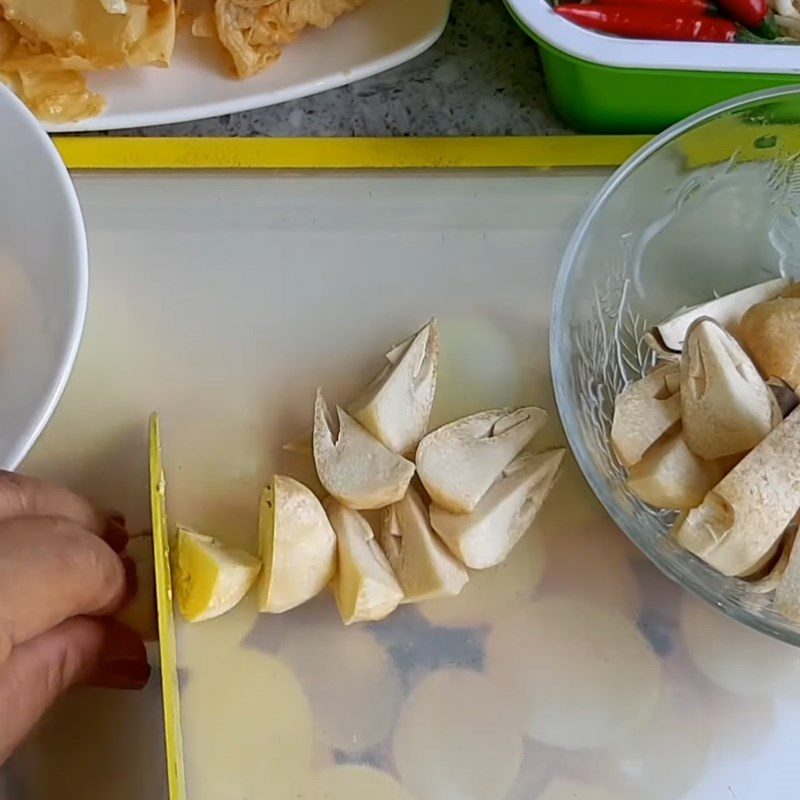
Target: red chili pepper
<point>650,23</point>
<point>699,7</point>
<point>751,13</point>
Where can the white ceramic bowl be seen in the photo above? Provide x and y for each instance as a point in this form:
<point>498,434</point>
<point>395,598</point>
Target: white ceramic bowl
<point>43,279</point>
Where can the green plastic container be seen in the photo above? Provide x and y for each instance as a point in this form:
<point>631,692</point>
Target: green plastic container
<point>603,93</point>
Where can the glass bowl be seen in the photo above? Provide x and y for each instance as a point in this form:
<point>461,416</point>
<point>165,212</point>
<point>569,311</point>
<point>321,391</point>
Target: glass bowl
<point>710,206</point>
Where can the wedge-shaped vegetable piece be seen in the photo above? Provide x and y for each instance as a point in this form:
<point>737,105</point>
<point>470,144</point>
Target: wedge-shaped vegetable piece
<point>298,545</point>
<point>486,536</point>
<point>741,519</point>
<point>726,407</point>
<point>396,406</point>
<point>364,586</point>
<point>671,476</point>
<point>354,467</point>
<point>423,565</point>
<point>771,333</point>
<point>210,579</point>
<point>458,462</point>
<point>643,412</point>
<point>726,310</point>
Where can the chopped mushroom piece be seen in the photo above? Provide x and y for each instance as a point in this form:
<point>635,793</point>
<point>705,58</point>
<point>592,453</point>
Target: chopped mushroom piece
<point>671,476</point>
<point>423,565</point>
<point>643,412</point>
<point>726,408</point>
<point>458,462</point>
<point>298,546</point>
<point>354,467</point>
<point>740,519</point>
<point>771,333</point>
<point>487,535</point>
<point>364,586</point>
<point>726,310</point>
<point>396,406</point>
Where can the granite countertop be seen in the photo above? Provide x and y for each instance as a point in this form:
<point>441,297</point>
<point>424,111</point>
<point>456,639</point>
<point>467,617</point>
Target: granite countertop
<point>481,78</point>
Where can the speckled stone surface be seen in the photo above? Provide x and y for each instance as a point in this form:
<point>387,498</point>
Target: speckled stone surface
<point>481,78</point>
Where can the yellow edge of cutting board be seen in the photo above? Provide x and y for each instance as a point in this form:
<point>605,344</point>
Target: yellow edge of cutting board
<point>166,622</point>
<point>110,153</point>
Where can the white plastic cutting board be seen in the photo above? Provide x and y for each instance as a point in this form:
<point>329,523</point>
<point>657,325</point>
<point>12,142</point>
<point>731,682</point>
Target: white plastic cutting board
<point>222,301</point>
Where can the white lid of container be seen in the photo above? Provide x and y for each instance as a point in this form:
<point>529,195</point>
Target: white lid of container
<point>597,48</point>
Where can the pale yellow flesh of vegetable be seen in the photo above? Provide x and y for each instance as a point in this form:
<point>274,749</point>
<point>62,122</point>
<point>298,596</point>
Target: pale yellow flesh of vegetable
<point>671,476</point>
<point>726,407</point>
<point>458,462</point>
<point>739,521</point>
<point>424,567</point>
<point>396,406</point>
<point>210,579</point>
<point>771,333</point>
<point>364,585</point>
<point>354,467</point>
<point>643,412</point>
<point>298,546</point>
<point>726,310</point>
<point>485,537</point>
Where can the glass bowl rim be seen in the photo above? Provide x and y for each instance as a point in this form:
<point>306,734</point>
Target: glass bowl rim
<point>559,368</point>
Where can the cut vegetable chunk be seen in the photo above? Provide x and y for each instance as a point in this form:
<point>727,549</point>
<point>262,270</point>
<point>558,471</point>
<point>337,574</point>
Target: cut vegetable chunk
<point>490,592</point>
<point>354,467</point>
<point>210,579</point>
<point>643,412</point>
<point>298,545</point>
<point>424,567</point>
<point>458,462</point>
<point>742,518</point>
<point>726,408</point>
<point>485,537</point>
<point>671,476</point>
<point>726,310</point>
<point>771,333</point>
<point>364,586</point>
<point>396,406</point>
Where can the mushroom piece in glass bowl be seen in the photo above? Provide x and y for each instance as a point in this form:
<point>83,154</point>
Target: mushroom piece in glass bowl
<point>708,208</point>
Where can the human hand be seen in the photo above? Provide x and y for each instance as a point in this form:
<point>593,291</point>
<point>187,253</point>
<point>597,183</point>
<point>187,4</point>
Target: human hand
<point>61,576</point>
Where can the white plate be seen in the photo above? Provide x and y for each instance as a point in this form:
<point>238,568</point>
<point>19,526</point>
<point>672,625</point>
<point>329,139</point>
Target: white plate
<point>378,36</point>
<point>43,279</point>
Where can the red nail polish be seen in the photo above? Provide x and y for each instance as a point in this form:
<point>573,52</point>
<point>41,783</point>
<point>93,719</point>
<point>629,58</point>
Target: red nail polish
<point>115,534</point>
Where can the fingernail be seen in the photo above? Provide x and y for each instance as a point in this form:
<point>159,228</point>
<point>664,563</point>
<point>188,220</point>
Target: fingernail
<point>115,534</point>
<point>123,673</point>
<point>131,580</point>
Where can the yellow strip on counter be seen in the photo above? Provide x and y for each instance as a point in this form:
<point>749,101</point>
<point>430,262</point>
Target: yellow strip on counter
<point>120,153</point>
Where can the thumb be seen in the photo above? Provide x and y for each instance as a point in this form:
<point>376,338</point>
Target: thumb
<point>78,650</point>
